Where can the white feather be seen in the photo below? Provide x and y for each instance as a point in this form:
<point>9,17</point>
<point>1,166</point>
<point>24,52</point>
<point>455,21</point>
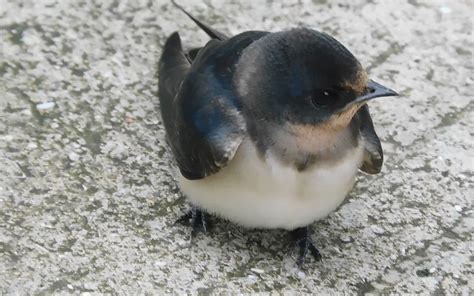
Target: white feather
<point>264,193</point>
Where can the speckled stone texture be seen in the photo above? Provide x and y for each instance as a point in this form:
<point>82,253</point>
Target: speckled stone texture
<point>87,199</point>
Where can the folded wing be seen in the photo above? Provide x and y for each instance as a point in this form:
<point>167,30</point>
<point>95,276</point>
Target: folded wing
<point>373,154</point>
<point>200,110</point>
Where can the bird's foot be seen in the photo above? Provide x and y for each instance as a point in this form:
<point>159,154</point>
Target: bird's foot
<point>199,220</point>
<point>304,243</point>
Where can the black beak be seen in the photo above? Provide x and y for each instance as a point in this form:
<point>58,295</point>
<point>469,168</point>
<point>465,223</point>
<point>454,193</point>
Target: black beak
<point>375,90</point>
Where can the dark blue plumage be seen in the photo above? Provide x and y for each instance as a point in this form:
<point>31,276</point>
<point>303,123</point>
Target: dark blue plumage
<point>203,115</point>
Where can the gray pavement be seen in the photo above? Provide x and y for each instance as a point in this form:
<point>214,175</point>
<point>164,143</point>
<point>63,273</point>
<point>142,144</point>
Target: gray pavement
<point>87,201</point>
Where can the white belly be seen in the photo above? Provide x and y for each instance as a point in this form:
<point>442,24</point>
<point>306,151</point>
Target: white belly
<point>263,193</point>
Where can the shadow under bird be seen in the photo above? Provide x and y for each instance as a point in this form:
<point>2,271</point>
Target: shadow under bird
<point>268,129</point>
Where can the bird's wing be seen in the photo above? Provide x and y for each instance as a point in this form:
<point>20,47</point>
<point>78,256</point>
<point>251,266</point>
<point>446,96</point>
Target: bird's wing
<point>373,154</point>
<point>201,112</point>
<point>172,68</point>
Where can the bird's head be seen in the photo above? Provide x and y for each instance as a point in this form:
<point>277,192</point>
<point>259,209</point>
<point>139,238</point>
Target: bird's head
<point>303,77</point>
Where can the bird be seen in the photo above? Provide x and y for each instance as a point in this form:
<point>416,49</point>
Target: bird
<point>268,129</point>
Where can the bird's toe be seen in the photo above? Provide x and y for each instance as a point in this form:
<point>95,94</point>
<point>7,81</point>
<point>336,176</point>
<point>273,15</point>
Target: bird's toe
<point>198,219</point>
<point>304,243</point>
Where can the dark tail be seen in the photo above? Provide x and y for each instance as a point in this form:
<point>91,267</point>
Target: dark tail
<point>209,31</point>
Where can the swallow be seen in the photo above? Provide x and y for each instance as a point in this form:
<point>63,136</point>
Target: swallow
<point>268,129</point>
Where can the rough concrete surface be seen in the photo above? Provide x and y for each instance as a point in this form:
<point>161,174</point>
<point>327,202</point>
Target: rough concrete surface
<point>87,201</point>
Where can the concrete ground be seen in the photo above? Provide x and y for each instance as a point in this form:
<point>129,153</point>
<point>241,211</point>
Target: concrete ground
<point>87,202</point>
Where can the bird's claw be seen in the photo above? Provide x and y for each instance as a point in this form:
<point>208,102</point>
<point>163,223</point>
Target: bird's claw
<point>198,219</point>
<point>304,243</point>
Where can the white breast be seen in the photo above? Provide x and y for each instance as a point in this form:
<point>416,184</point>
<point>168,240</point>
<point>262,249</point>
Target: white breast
<point>263,193</point>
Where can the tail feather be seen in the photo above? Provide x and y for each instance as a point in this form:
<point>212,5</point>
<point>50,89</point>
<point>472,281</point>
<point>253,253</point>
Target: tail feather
<point>209,31</point>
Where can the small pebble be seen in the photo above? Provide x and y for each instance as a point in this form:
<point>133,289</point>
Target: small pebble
<point>301,274</point>
<point>26,112</point>
<point>377,229</point>
<point>458,208</point>
<point>403,251</point>
<point>257,270</point>
<point>31,146</point>
<point>129,119</point>
<point>159,264</point>
<point>44,106</point>
<point>91,286</point>
<point>345,238</point>
<point>73,156</point>
<point>6,138</point>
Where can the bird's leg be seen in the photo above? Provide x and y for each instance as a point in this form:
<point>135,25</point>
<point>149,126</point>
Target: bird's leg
<point>304,244</point>
<point>198,219</point>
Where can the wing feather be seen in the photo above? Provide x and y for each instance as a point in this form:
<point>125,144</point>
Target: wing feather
<point>373,154</point>
<point>201,112</point>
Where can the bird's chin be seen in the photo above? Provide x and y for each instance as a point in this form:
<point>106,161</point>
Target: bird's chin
<point>342,119</point>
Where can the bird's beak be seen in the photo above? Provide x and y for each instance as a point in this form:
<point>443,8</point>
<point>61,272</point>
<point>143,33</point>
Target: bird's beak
<point>375,90</point>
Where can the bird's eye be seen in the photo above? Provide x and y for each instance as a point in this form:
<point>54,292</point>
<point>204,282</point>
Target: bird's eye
<point>324,97</point>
